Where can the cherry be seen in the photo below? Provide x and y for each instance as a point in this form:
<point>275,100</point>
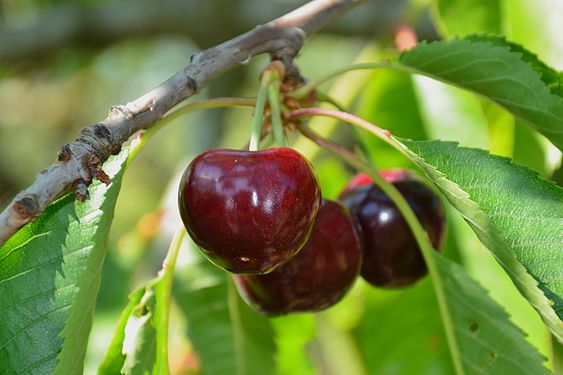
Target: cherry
<point>249,211</point>
<point>392,257</point>
<point>317,277</point>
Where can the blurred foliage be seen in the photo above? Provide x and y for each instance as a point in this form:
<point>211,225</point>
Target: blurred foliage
<point>371,331</point>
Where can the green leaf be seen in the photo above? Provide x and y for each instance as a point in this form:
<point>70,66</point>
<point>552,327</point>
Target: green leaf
<point>140,343</point>
<point>528,149</point>
<point>114,358</point>
<point>228,336</point>
<point>383,353</point>
<point>461,17</point>
<point>501,71</point>
<point>548,75</point>
<point>49,278</point>
<point>487,341</point>
<point>481,337</point>
<point>514,212</point>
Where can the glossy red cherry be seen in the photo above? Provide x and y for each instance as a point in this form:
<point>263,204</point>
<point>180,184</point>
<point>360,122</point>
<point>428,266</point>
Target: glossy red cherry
<point>317,277</point>
<point>249,211</point>
<point>392,257</point>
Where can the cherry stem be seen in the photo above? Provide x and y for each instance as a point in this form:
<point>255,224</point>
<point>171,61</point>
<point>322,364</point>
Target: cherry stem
<point>261,100</point>
<point>277,126</point>
<point>352,159</point>
<point>207,104</point>
<point>416,228</point>
<point>349,118</point>
<point>164,282</point>
<point>304,90</point>
<point>142,138</point>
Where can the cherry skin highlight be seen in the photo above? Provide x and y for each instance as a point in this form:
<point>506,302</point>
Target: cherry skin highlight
<point>317,277</point>
<point>392,257</point>
<point>249,211</point>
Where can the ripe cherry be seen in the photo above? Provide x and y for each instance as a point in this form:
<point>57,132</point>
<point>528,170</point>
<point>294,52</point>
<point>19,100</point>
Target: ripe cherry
<point>317,277</point>
<point>392,257</point>
<point>249,211</point>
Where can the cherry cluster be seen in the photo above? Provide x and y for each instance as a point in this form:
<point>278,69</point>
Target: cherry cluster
<point>260,216</point>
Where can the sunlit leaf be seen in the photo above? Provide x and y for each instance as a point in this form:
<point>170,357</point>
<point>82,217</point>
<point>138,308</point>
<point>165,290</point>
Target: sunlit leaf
<point>501,71</point>
<point>139,344</point>
<point>515,213</point>
<point>49,278</point>
<point>114,358</point>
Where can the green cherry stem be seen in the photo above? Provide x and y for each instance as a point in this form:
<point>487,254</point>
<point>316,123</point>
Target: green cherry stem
<point>138,143</point>
<point>383,134</point>
<point>416,228</point>
<point>304,90</point>
<point>261,100</point>
<point>275,108</point>
<point>163,286</point>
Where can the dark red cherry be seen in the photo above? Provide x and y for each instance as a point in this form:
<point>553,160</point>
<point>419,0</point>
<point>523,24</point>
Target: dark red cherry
<point>392,257</point>
<point>249,211</point>
<point>317,277</point>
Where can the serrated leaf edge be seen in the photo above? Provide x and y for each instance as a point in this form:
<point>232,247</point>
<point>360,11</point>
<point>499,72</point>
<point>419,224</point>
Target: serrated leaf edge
<point>516,58</point>
<point>525,282</point>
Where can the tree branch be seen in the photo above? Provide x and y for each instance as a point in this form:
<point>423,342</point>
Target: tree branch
<point>72,24</point>
<point>81,161</point>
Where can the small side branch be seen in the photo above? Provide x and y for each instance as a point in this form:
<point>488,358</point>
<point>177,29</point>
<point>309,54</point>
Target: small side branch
<point>79,162</point>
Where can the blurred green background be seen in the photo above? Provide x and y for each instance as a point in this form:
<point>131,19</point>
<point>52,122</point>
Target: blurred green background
<point>64,63</point>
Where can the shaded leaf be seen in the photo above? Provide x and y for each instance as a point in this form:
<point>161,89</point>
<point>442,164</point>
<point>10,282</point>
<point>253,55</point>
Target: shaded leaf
<point>409,312</point>
<point>487,341</point>
<point>228,336</point>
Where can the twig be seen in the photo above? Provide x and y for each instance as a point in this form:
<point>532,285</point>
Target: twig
<point>81,161</point>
